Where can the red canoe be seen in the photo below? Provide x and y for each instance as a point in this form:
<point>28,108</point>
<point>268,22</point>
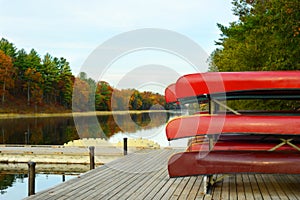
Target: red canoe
<point>228,124</point>
<point>170,94</point>
<point>199,84</point>
<point>224,162</point>
<point>243,142</point>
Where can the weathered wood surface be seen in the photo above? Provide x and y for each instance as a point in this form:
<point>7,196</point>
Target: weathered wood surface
<point>144,176</point>
<point>58,154</point>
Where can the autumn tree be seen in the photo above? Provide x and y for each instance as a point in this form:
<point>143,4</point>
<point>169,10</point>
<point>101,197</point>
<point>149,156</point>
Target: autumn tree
<point>103,96</point>
<point>49,80</point>
<point>152,100</point>
<point>7,72</point>
<point>265,37</point>
<point>81,95</point>
<point>34,86</point>
<point>130,99</point>
<point>135,102</point>
<point>118,101</point>
<point>92,89</point>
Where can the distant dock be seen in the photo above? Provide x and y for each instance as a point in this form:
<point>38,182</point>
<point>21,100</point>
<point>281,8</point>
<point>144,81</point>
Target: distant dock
<point>143,175</point>
<point>74,152</point>
<point>56,154</point>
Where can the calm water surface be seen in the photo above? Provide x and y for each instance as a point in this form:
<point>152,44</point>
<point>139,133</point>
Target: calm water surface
<point>60,130</point>
<point>14,186</point>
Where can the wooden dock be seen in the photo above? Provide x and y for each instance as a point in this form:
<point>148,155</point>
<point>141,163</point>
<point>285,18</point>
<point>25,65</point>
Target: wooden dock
<point>144,175</point>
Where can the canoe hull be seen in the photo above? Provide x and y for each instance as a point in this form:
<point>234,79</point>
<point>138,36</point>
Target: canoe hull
<point>228,124</point>
<point>170,94</point>
<point>228,162</point>
<point>193,85</point>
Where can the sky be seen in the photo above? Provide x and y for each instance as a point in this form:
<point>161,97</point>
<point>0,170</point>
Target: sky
<point>73,29</point>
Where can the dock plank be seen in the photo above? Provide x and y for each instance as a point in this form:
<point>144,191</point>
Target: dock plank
<point>131,178</point>
<point>150,169</point>
<point>161,189</point>
<point>172,188</point>
<point>255,188</point>
<point>225,188</point>
<point>149,185</point>
<point>240,187</point>
<point>271,189</point>
<point>180,188</point>
<point>232,187</point>
<point>281,192</point>
<point>247,186</point>
<point>197,189</point>
<point>288,191</point>
<point>144,175</point>
<point>262,187</point>
<point>187,190</point>
<point>293,182</point>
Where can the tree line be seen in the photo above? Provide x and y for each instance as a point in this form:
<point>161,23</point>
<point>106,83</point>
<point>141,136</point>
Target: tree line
<point>49,80</point>
<point>40,80</point>
<point>265,37</point>
<point>90,94</point>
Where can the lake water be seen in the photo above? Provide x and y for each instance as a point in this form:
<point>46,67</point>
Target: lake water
<point>60,130</point>
<point>15,186</point>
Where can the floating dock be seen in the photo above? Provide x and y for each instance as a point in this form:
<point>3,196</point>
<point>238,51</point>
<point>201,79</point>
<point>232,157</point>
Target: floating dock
<point>144,175</point>
<point>74,152</point>
<point>57,154</point>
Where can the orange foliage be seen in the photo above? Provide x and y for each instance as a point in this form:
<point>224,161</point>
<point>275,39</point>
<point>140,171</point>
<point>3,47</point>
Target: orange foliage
<point>6,74</point>
<point>81,94</point>
<point>33,85</point>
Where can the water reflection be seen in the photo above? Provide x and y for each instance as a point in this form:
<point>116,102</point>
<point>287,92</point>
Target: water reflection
<point>60,130</point>
<point>14,186</point>
<point>7,180</point>
<point>37,131</point>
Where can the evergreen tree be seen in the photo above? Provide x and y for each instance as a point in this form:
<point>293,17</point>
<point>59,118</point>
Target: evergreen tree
<point>8,48</point>
<point>65,82</point>
<point>21,66</point>
<point>49,72</point>
<point>266,37</point>
<point>33,77</point>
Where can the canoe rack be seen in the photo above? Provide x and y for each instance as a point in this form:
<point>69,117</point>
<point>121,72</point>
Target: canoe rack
<point>247,142</point>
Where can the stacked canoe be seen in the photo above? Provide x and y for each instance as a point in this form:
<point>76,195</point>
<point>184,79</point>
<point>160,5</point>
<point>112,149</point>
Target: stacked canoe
<point>225,141</point>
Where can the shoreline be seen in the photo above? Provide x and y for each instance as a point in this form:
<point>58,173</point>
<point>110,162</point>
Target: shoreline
<point>75,114</point>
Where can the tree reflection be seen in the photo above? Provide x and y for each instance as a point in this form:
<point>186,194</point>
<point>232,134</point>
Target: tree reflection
<point>7,180</point>
<point>60,130</point>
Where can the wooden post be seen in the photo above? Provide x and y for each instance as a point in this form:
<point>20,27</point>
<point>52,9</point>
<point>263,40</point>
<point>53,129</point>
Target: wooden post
<point>92,157</point>
<point>125,146</point>
<point>63,178</point>
<point>31,178</point>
